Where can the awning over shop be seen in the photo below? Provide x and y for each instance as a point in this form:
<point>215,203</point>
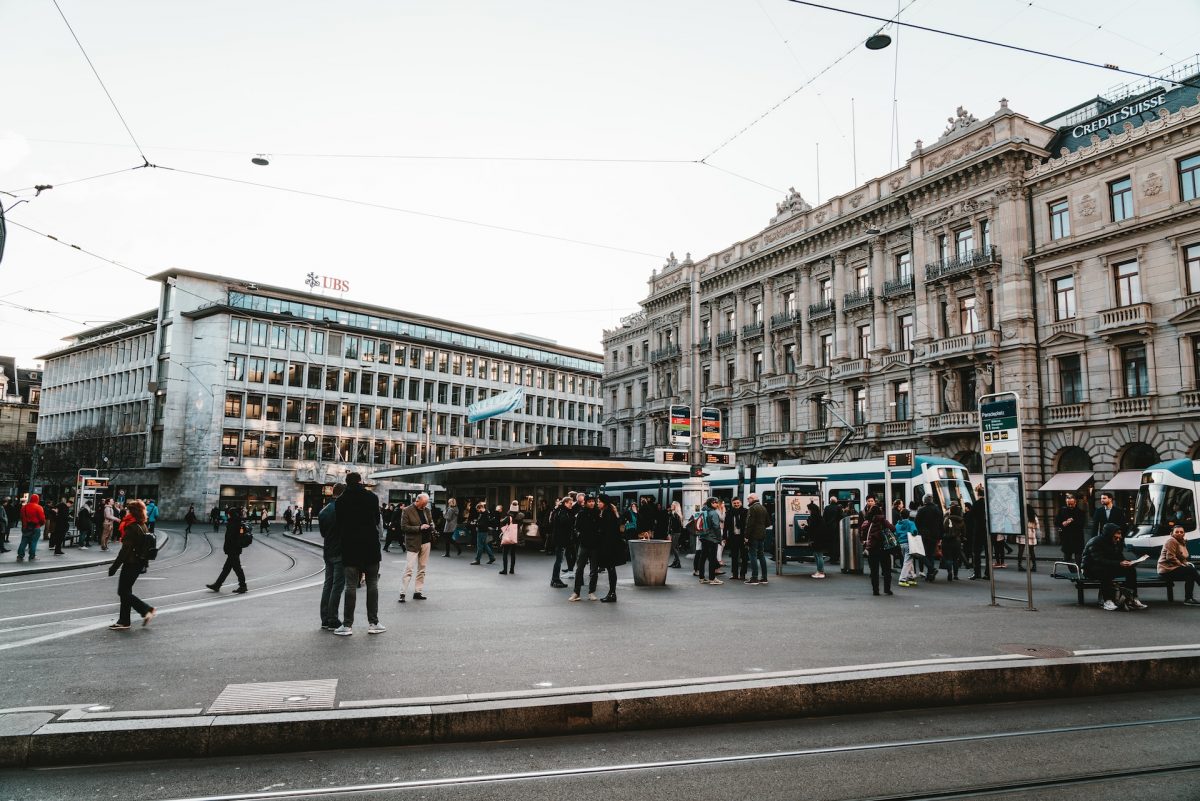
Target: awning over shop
<point>1065,482</point>
<point>1125,480</point>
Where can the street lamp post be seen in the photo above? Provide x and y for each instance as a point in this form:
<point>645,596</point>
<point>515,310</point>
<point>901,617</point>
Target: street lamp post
<point>695,488</point>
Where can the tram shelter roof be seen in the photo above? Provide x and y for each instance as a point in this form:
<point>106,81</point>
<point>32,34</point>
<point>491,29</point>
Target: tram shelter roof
<point>581,466</point>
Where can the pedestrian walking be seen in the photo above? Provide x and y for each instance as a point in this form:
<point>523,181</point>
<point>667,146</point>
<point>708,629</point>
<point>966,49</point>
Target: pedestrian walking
<point>189,520</point>
<point>62,526</point>
<point>33,520</point>
<point>876,545</point>
<point>756,537</point>
<point>930,523</point>
<point>132,559</point>
<point>485,523</point>
<point>151,515</point>
<point>906,529</point>
<point>675,532</point>
<point>450,527</point>
<point>214,517</point>
<point>264,522</point>
<point>335,570</point>
<point>613,549</point>
<point>1071,524</point>
<point>4,525</point>
<point>84,524</point>
<point>237,537</point>
<point>308,518</point>
<point>510,525</point>
<point>110,521</point>
<point>359,523</point>
<point>416,524</point>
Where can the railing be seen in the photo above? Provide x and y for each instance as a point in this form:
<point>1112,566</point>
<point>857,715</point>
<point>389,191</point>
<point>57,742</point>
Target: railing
<point>817,311</point>
<point>818,374</point>
<point>963,343</point>
<point>781,439</point>
<point>1064,327</point>
<point>655,405</point>
<point>706,343</point>
<point>662,354</point>
<point>984,257</point>
<point>900,357</point>
<point>816,437</point>
<point>1191,400</point>
<point>623,415</point>
<point>718,394</point>
<point>899,287</point>
<point>1123,407</point>
<point>752,330</point>
<point>897,428</point>
<point>851,368</point>
<point>726,338</point>
<point>784,319</point>
<point>858,298</point>
<point>953,420</point>
<point>775,383</point>
<point>1065,412</point>
<point>1124,317</point>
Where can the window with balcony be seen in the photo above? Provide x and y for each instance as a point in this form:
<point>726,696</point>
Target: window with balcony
<point>789,357</point>
<point>1128,284</point>
<point>730,372</point>
<point>968,315</point>
<point>1060,219</point>
<point>943,247</point>
<point>1134,373</point>
<point>904,267</point>
<point>907,331</point>
<point>1191,261</point>
<point>706,379</point>
<point>964,242</point>
<point>985,234</point>
<point>862,279</point>
<point>789,302</point>
<point>1064,298</point>
<point>820,412</point>
<point>730,320</point>
<point>858,402</point>
<point>902,395</point>
<point>826,350</point>
<point>756,361</point>
<point>967,379</point>
<point>1070,379</point>
<point>1189,177</point>
<point>863,346</point>
<point>705,329</point>
<point>756,313</point>
<point>783,415</point>
<point>825,290</point>
<point>1120,198</point>
<point>1195,340</point>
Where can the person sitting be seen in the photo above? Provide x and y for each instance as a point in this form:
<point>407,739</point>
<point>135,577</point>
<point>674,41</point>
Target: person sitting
<point>1173,565</point>
<point>1104,559</point>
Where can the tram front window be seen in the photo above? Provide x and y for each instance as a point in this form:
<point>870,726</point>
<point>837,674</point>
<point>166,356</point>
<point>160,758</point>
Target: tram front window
<point>1160,507</point>
<point>953,485</point>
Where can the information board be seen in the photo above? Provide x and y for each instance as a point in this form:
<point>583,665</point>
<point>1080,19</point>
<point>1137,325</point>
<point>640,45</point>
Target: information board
<point>999,425</point>
<point>681,426</point>
<point>710,428</point>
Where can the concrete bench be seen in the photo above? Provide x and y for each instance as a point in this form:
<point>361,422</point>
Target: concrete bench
<point>1072,573</point>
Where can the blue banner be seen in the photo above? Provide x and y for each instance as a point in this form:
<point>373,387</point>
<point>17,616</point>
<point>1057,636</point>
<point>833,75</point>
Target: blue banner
<point>496,405</point>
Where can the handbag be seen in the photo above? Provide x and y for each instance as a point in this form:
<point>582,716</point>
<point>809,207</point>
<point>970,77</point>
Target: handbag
<point>508,534</point>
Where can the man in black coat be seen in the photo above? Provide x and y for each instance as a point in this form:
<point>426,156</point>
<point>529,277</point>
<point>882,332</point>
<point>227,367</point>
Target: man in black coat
<point>562,526</point>
<point>1104,559</point>
<point>358,522</point>
<point>929,527</point>
<point>1107,513</point>
<point>1071,525</point>
<point>233,553</point>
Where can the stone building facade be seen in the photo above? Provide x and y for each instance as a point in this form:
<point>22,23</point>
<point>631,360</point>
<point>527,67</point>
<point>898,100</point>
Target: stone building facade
<point>894,307</point>
<point>241,393</point>
<point>20,394</point>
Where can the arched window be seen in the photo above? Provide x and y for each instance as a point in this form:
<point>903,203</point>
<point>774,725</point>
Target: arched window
<point>1073,459</point>
<point>970,460</point>
<point>1139,456</point>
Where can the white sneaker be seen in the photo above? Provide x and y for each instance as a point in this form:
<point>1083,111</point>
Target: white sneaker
<point>567,577</point>
<point>1136,604</point>
<point>343,631</point>
<point>376,628</point>
<point>574,597</point>
<point>592,596</point>
<point>715,581</point>
<point>1109,606</point>
<point>818,575</point>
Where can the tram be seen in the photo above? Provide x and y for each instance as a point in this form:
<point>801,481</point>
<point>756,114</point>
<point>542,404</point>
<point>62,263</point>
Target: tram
<point>1166,498</point>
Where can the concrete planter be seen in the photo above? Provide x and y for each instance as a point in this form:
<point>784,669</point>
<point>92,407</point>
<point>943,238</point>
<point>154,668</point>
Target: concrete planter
<point>649,559</point>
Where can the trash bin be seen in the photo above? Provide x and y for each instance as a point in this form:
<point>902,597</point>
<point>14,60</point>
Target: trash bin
<point>649,559</point>
<point>851,548</point>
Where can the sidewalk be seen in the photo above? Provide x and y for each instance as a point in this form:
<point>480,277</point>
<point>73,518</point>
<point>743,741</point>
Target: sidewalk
<point>72,558</point>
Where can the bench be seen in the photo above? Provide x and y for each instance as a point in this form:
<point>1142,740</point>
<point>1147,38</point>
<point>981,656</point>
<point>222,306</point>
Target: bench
<point>1072,573</point>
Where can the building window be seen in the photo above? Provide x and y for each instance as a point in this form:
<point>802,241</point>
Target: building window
<point>1128,285</point>
<point>1191,260</point>
<point>968,315</point>
<point>789,357</point>
<point>783,415</point>
<point>279,337</point>
<point>231,443</point>
<point>900,390</point>
<point>254,407</point>
<point>295,375</point>
<point>862,279</point>
<point>1196,359</point>
<point>258,368</point>
<point>297,338</point>
<point>757,363</point>
<point>705,330</point>
<point>751,420</point>
<point>985,234</point>
<point>858,398</point>
<point>1070,379</point>
<point>821,413</point>
<point>1189,177</point>
<point>864,341</point>
<point>730,372</point>
<point>258,333</point>
<point>825,289</point>
<point>274,409</point>
<point>789,302</point>
<point>368,350</point>
<point>1133,371</point>
<point>275,376</point>
<point>943,246</point>
<point>826,350</point>
<point>964,242</point>
<point>730,322</point>
<point>1064,298</point>
<point>904,270</point>
<point>235,368</point>
<point>271,446</point>
<point>237,330</point>
<point>316,343</point>
<point>251,444</point>
<point>907,331</point>
<point>1120,196</point>
<point>756,315</point>
<point>292,414</point>
<point>253,498</point>
<point>352,347</point>
<point>1060,219</point>
<point>706,379</point>
<point>233,404</point>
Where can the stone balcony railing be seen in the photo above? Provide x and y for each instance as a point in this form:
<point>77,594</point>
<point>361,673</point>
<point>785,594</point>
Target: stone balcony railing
<point>1066,412</point>
<point>781,439</point>
<point>1064,327</point>
<point>705,343</point>
<point>819,311</point>
<point>662,354</point>
<point>784,319</point>
<point>897,428</point>
<point>1132,407</point>
<point>899,288</point>
<point>624,415</point>
<point>658,405</point>
<point>726,338</point>
<point>899,357</point>
<point>818,374</point>
<point>816,437</point>
<point>1124,317</point>
<point>961,264</point>
<point>752,330</point>
<point>858,298</point>
<point>854,367</point>
<point>954,421</point>
<point>964,343</point>
<point>718,394</point>
<point>1190,400</point>
<point>775,383</point>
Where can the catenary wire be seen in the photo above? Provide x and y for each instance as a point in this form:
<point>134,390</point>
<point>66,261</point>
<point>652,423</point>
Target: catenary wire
<point>101,80</point>
<point>40,187</point>
<point>980,40</point>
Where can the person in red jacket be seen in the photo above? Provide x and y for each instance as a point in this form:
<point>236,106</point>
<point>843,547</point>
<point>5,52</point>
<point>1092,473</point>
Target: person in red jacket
<point>33,520</point>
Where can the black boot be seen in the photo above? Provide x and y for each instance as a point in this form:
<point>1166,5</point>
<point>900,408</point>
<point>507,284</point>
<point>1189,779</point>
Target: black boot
<point>611,598</point>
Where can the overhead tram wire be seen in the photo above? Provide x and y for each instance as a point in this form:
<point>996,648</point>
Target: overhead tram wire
<point>993,43</point>
<point>42,187</point>
<point>108,94</point>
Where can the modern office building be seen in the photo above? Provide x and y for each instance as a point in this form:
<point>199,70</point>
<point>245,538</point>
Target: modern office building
<point>1060,260</point>
<point>233,392</point>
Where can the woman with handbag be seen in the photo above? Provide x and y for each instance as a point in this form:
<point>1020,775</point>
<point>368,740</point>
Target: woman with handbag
<point>450,527</point>
<point>131,561</point>
<point>509,531</point>
<point>237,537</point>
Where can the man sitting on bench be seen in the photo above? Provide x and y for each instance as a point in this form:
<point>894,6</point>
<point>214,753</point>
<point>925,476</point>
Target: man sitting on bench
<point>1173,565</point>
<point>1104,560</point>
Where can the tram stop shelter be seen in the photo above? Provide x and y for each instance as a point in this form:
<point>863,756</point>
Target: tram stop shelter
<point>533,475</point>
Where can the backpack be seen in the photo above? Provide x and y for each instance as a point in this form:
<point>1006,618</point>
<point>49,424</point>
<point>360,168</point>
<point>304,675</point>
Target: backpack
<point>151,547</point>
<point>952,527</point>
<point>247,537</point>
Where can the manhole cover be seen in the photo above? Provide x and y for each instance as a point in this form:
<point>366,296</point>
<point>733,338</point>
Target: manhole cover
<point>275,696</point>
<point>1041,651</point>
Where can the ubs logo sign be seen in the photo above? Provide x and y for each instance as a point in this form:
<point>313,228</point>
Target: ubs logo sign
<point>326,282</point>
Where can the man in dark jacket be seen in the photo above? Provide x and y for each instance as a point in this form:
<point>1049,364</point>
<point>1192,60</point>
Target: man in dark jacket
<point>735,538</point>
<point>233,553</point>
<point>358,522</point>
<point>417,525</point>
<point>562,526</point>
<point>1104,559</point>
<point>1070,524</point>
<point>62,525</point>
<point>587,531</point>
<point>756,535</point>
<point>929,527</point>
<point>335,569</point>
<point>978,540</point>
<point>1109,512</point>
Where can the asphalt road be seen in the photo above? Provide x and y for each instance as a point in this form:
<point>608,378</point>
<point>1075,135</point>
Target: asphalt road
<point>1062,750</point>
<point>481,631</point>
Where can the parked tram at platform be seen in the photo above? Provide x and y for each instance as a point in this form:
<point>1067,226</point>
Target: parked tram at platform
<point>1166,498</point>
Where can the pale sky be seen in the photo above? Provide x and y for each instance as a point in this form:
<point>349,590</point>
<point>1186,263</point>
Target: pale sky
<point>206,86</point>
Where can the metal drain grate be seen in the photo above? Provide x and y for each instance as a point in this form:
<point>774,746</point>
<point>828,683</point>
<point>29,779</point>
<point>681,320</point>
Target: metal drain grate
<point>275,696</point>
<point>1042,651</point>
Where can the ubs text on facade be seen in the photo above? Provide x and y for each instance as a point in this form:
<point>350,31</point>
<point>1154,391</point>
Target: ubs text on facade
<point>1123,113</point>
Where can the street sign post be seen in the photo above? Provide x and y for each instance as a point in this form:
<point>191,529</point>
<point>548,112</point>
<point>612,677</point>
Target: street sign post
<point>999,424</point>
<point>1004,493</point>
<point>710,428</point>
<point>681,426</point>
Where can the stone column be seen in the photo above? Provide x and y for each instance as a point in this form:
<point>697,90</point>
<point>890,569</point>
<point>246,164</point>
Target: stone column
<point>715,372</point>
<point>922,324</point>
<point>740,354</point>
<point>841,338</point>
<point>880,337</point>
<point>803,298</point>
<point>684,384</point>
<point>769,365</point>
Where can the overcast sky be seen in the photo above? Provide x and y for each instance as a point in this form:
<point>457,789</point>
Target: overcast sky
<point>662,83</point>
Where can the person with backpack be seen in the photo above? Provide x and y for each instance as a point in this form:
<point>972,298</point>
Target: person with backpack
<point>136,549</point>
<point>237,537</point>
<point>710,538</point>
<point>906,528</point>
<point>929,528</point>
<point>877,545</point>
<point>954,529</point>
